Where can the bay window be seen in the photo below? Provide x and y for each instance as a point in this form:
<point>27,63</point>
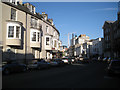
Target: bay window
<point>35,35</point>
<point>17,31</point>
<point>55,44</point>
<point>38,36</point>
<point>11,31</point>
<point>47,41</point>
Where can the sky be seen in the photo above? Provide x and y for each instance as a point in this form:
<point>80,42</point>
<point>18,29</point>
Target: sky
<point>78,17</point>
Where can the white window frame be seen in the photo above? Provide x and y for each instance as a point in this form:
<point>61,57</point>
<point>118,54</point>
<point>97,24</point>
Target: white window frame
<point>49,40</point>
<point>19,31</point>
<point>15,25</point>
<point>31,35</point>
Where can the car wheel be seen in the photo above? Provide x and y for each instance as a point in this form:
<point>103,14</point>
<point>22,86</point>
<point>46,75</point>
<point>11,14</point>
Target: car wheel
<point>6,71</point>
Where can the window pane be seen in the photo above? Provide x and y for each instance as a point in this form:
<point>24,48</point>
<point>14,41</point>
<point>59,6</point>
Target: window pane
<point>17,32</point>
<point>34,36</point>
<point>47,29</point>
<point>38,36</point>
<point>13,14</point>
<point>55,44</point>
<point>47,41</point>
<point>11,31</point>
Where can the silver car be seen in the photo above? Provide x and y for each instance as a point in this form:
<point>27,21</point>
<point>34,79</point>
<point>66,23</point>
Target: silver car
<point>39,64</point>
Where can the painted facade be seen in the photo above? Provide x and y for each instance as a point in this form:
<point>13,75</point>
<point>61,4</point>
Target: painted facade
<point>26,34</point>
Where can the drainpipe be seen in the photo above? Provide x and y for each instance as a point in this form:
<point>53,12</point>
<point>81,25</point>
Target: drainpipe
<point>26,42</point>
<point>40,41</point>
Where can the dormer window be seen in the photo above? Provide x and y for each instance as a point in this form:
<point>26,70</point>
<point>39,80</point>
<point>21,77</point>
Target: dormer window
<point>13,14</point>
<point>18,2</point>
<point>13,1</point>
<point>30,7</point>
<point>45,17</point>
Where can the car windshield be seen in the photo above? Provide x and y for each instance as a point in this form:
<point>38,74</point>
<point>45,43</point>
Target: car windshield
<point>115,63</point>
<point>57,59</point>
<point>33,63</point>
<point>42,60</point>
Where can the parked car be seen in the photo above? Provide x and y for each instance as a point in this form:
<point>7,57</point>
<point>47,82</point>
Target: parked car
<point>114,67</point>
<point>60,62</point>
<point>109,60</point>
<point>100,59</point>
<point>72,60</point>
<point>38,64</point>
<point>13,66</point>
<point>94,59</point>
<point>105,59</point>
<point>85,60</point>
<point>54,63</point>
<point>66,60</point>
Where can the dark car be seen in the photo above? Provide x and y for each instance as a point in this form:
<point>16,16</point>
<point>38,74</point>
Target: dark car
<point>38,64</point>
<point>60,62</point>
<point>72,60</point>
<point>13,66</point>
<point>114,67</point>
<point>85,60</point>
<point>53,63</point>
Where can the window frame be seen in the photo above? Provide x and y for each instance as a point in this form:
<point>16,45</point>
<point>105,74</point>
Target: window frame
<point>34,37</point>
<point>47,29</point>
<point>12,32</point>
<point>47,42</point>
<point>14,36</point>
<point>15,14</point>
<point>31,35</point>
<point>18,33</point>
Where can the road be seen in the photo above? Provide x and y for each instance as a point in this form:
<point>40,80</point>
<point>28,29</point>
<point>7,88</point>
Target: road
<point>90,75</point>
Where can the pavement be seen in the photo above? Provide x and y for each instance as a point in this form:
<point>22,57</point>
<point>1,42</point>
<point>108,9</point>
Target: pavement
<point>90,75</point>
